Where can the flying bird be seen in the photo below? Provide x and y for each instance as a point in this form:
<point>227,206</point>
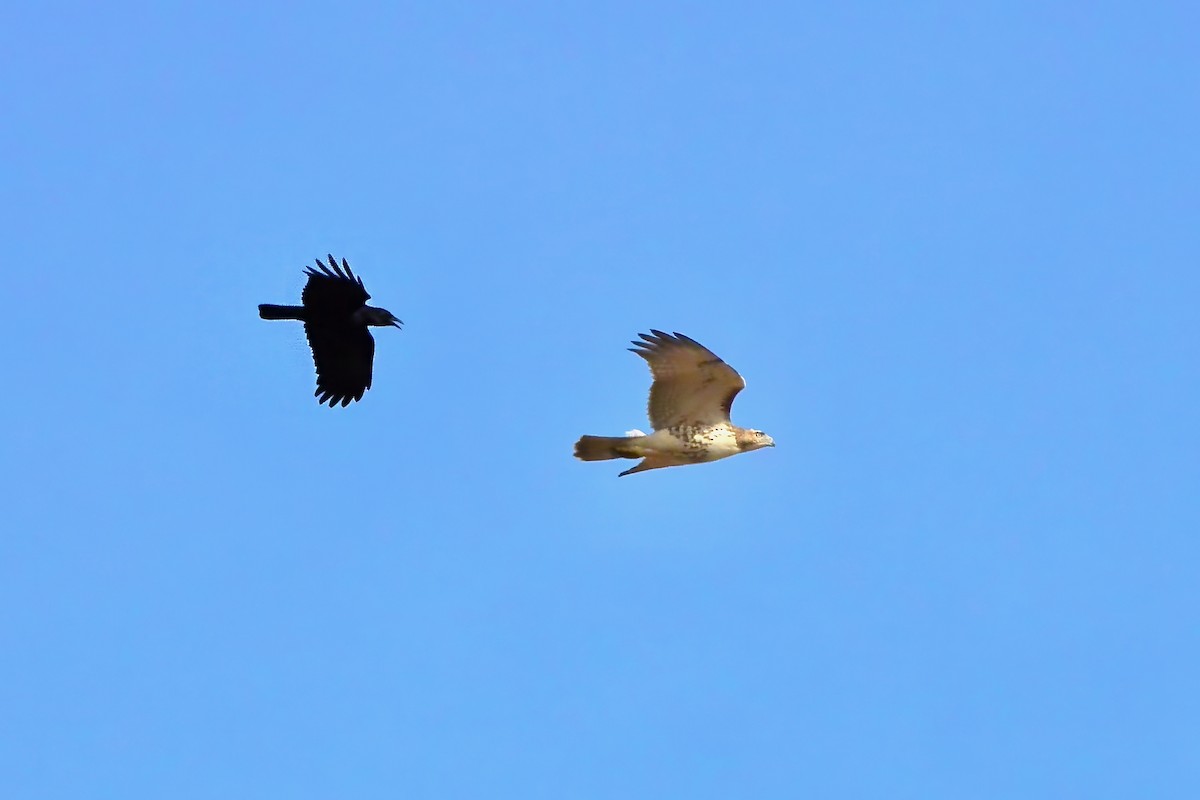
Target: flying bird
<point>336,318</point>
<point>690,400</point>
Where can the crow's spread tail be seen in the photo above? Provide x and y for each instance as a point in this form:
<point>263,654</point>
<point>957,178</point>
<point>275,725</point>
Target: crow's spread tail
<point>269,311</point>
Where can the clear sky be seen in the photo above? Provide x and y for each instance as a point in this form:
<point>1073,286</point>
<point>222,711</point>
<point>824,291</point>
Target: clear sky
<point>953,248</point>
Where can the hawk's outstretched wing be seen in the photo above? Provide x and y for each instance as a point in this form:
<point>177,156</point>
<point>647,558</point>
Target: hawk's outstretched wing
<point>333,290</point>
<point>691,384</point>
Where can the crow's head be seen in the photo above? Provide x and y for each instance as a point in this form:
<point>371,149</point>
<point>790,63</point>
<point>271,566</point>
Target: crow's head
<point>369,315</point>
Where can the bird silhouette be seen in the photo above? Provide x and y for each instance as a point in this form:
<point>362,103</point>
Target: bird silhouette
<point>336,319</point>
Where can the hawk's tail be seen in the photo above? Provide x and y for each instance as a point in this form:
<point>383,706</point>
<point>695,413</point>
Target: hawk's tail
<point>269,311</point>
<point>602,448</point>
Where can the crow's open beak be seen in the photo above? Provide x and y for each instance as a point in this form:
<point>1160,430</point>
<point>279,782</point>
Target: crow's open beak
<point>397,323</point>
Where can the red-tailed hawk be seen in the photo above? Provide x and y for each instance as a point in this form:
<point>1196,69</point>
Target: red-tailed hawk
<point>690,399</point>
<point>336,317</point>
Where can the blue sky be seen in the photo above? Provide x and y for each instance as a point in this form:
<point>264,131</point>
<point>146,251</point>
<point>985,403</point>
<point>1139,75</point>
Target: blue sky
<point>953,249</point>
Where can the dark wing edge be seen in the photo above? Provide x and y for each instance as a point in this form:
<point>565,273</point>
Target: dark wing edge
<point>657,339</point>
<point>337,272</point>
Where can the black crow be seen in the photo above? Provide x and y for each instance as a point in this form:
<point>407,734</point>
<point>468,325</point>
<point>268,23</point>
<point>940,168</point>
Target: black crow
<point>336,316</point>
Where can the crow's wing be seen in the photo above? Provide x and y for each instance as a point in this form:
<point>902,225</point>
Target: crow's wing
<point>343,355</point>
<point>333,290</point>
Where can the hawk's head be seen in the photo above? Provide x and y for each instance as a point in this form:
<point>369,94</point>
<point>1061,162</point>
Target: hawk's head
<point>750,439</point>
